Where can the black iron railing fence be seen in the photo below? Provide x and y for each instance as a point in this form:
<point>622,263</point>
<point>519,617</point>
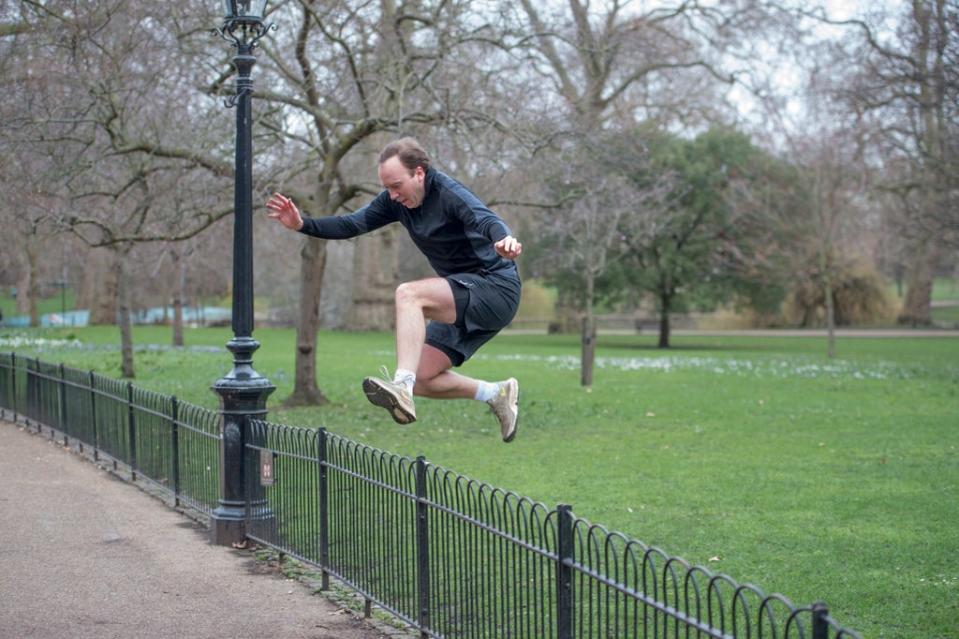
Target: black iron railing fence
<point>451,556</point>
<point>171,445</point>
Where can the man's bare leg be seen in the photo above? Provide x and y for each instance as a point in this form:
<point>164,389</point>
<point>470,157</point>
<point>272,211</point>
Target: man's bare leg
<point>417,302</point>
<point>428,366</point>
<point>434,378</point>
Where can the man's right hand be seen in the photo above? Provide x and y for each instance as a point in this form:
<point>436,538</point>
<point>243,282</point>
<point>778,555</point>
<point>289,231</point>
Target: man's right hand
<point>282,209</point>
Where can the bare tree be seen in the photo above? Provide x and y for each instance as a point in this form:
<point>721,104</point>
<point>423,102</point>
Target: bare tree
<point>822,206</point>
<point>613,65</point>
<point>832,177</point>
<point>29,82</point>
<point>100,97</point>
<point>611,60</point>
<point>28,217</point>
<point>585,236</point>
<point>906,82</point>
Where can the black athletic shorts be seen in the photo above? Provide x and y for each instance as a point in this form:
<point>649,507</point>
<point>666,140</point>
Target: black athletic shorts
<point>485,304</point>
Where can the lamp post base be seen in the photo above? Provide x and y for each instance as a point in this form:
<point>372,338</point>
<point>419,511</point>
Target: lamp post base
<point>243,393</point>
<point>228,526</point>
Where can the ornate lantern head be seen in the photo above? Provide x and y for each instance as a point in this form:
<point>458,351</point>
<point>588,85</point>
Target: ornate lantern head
<point>244,10</point>
<point>243,21</point>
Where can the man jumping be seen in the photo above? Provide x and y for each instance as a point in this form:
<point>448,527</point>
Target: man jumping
<point>475,296</point>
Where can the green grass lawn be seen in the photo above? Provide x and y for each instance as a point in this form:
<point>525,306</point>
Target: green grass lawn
<point>758,457</point>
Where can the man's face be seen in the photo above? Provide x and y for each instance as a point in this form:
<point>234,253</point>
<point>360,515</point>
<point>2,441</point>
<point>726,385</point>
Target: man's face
<point>404,187</point>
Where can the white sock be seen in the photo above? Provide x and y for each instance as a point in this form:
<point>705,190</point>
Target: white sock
<point>486,391</point>
<point>403,376</point>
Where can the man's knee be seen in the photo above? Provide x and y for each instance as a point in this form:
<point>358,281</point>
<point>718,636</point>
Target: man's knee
<point>406,294</point>
<point>434,297</point>
<point>420,293</point>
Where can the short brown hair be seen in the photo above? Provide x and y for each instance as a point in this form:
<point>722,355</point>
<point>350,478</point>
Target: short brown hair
<point>409,151</point>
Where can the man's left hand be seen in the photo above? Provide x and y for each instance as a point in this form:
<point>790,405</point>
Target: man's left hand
<point>509,247</point>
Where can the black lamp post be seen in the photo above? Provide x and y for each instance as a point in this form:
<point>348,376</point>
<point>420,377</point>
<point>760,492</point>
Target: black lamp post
<point>242,391</point>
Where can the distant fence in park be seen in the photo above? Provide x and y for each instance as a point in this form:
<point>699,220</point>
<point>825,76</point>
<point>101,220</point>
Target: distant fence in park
<point>451,556</point>
<point>192,316</point>
<point>616,322</point>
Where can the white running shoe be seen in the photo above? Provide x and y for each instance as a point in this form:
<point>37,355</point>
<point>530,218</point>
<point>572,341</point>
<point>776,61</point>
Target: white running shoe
<point>506,407</point>
<point>392,396</point>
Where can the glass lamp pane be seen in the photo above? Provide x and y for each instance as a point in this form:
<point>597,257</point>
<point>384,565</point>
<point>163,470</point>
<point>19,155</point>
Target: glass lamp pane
<point>249,8</point>
<point>258,8</point>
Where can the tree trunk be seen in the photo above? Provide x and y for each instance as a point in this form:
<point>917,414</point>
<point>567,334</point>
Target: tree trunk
<point>376,263</point>
<point>587,350</point>
<point>565,312</point>
<point>830,317</point>
<point>917,308</point>
<point>98,290</point>
<point>123,317</point>
<point>23,295</point>
<point>179,294</point>
<point>825,270</point>
<point>588,338</point>
<point>312,265</point>
<point>28,286</point>
<point>665,305</point>
<point>339,285</point>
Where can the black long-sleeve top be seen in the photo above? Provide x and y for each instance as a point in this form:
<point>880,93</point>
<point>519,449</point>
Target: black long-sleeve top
<point>452,227</point>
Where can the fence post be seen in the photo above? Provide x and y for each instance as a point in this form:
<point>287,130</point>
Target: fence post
<point>324,508</point>
<point>36,402</point>
<point>820,623</point>
<point>564,571</point>
<point>63,405</point>
<point>33,392</point>
<point>44,404</point>
<point>132,437</point>
<point>3,408</point>
<point>422,548</point>
<point>27,391</point>
<point>93,418</point>
<point>13,366</point>
<point>42,400</point>
<point>175,435</point>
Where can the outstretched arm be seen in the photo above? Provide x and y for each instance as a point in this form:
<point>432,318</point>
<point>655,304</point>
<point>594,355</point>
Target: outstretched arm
<point>332,227</point>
